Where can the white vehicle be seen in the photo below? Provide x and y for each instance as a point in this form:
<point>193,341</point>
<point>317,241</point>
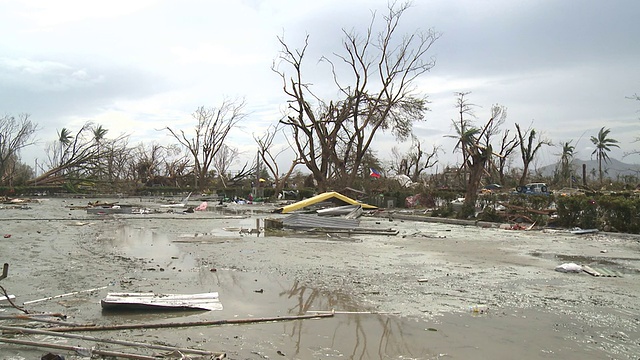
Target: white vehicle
<point>533,188</point>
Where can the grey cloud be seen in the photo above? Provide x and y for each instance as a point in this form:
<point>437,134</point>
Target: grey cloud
<point>48,89</point>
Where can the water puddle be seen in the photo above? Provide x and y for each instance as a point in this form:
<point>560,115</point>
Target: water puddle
<point>355,331</point>
<point>365,335</point>
<point>143,243</point>
<point>534,334</point>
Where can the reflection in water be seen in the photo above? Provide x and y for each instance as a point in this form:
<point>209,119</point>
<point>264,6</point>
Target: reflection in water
<point>367,336</point>
<point>352,336</point>
<point>146,244</point>
<point>531,334</point>
<point>247,294</point>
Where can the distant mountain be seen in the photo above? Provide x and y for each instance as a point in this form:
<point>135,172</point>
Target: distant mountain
<point>611,169</point>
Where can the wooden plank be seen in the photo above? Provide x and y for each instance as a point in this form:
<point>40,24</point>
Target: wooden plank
<point>152,301</point>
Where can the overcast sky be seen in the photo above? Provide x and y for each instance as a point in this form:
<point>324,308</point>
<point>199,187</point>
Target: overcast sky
<point>564,67</point>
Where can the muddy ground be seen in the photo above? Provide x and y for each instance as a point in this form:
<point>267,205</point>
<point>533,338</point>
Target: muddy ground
<point>434,291</point>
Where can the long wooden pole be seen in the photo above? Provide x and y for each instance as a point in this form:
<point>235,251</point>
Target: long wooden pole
<point>39,319</point>
<point>187,324</point>
<point>15,329</point>
<point>63,295</point>
<point>58,315</point>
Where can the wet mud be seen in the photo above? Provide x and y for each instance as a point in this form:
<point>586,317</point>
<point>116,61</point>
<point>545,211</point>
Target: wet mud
<point>434,291</point>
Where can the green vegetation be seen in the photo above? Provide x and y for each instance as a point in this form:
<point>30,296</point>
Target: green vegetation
<point>612,212</point>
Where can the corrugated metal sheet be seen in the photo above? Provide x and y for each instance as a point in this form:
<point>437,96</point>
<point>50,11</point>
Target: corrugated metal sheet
<point>600,271</point>
<point>310,221</point>
<point>205,301</point>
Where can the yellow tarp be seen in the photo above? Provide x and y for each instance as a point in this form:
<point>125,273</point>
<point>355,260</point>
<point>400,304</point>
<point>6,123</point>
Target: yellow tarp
<point>322,197</point>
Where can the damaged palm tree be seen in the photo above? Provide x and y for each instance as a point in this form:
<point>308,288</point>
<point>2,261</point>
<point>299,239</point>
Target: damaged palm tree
<point>477,151</point>
<point>529,146</point>
<point>71,157</point>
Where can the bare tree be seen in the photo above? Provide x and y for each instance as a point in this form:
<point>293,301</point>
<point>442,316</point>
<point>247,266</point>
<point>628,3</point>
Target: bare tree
<point>506,147</point>
<point>415,161</point>
<point>529,146</point>
<point>211,130</point>
<point>178,168</point>
<point>331,137</point>
<point>15,134</point>
<point>223,160</point>
<point>269,156</point>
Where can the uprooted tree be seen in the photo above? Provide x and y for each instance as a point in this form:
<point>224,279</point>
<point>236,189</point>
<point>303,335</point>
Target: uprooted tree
<point>209,135</point>
<point>331,137</point>
<point>70,156</point>
<point>87,155</point>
